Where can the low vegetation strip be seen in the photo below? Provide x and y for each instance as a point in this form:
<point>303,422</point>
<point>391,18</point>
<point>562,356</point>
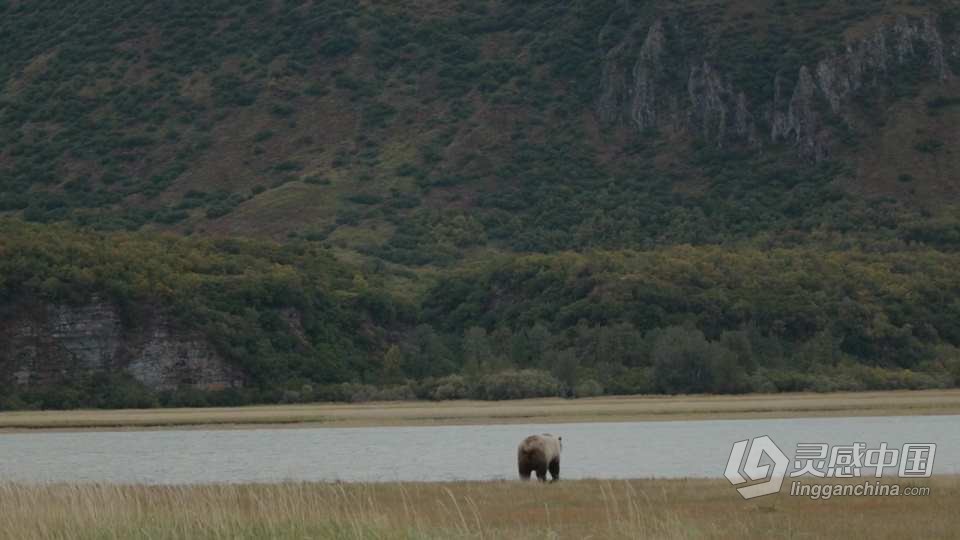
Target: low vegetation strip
<point>552,410</point>
<point>506,509</point>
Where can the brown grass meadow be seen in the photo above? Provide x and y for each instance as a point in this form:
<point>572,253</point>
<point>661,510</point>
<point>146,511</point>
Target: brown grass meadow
<point>609,409</point>
<point>594,509</point>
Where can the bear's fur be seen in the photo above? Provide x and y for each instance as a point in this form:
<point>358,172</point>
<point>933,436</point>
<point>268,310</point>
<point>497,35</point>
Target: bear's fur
<point>540,453</point>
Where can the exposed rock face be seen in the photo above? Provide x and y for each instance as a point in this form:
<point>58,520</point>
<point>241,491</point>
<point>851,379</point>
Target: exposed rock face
<point>716,111</point>
<point>648,69</point>
<point>636,89</point>
<point>53,344</point>
<point>800,124</point>
<point>649,85</point>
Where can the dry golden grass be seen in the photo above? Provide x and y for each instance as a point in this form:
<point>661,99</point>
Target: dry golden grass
<point>511,510</point>
<point>504,412</point>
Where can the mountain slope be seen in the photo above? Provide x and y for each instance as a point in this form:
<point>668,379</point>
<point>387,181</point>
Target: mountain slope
<point>332,199</point>
<point>414,132</point>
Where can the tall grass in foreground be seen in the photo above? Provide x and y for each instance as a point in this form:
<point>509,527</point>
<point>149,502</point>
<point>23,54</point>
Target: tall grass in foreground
<point>509,510</point>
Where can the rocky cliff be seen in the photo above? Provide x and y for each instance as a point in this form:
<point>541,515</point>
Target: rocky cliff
<point>43,345</point>
<point>656,83</point>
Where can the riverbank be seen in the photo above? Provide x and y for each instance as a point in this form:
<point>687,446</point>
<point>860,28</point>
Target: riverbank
<point>543,411</point>
<point>568,509</point>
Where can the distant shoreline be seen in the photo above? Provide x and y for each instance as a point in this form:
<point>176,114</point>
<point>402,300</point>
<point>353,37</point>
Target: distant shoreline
<point>528,411</point>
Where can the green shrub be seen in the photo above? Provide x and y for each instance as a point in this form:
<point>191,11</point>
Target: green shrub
<point>588,388</point>
<point>929,146</point>
<point>443,388</point>
<point>365,198</point>
<point>528,383</point>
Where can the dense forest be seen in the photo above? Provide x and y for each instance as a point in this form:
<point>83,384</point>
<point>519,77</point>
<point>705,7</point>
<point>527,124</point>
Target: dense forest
<point>495,199</point>
<point>671,320</point>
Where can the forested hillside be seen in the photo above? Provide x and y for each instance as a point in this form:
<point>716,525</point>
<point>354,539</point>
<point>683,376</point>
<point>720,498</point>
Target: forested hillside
<point>363,199</point>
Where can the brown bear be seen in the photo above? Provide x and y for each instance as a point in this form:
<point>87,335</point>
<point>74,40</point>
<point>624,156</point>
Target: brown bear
<point>540,453</point>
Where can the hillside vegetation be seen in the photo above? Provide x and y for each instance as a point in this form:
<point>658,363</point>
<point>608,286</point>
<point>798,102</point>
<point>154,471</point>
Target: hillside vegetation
<point>492,199</point>
<point>674,320</point>
<point>412,132</point>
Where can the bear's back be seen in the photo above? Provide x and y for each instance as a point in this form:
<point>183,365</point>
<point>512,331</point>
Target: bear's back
<point>545,443</point>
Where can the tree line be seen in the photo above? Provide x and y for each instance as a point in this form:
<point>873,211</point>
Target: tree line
<point>683,319</point>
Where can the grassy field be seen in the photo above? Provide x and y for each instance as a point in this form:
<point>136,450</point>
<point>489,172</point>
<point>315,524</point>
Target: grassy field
<point>501,412</point>
<point>513,510</point>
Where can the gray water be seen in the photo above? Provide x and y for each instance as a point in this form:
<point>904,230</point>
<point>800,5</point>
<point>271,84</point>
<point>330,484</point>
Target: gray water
<point>439,453</point>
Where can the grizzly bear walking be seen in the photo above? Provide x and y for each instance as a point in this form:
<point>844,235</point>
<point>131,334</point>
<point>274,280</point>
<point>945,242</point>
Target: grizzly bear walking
<point>540,453</point>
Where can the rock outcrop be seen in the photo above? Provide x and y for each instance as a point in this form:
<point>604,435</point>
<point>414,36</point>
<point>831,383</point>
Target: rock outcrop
<point>652,86</point>
<point>43,345</point>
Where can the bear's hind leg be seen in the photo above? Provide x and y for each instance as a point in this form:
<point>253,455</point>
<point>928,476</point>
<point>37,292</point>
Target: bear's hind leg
<point>555,469</point>
<point>542,473</point>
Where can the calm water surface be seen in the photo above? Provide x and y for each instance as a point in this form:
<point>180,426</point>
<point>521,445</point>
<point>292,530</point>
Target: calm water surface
<point>437,453</point>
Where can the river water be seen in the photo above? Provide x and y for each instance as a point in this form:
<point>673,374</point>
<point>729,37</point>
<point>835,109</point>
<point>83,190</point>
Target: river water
<point>439,453</point>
